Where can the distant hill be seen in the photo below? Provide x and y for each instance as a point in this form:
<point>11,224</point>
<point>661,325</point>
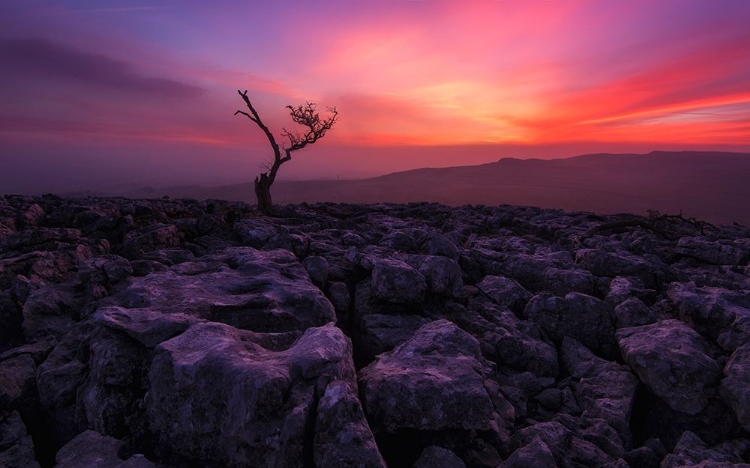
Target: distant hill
<point>712,186</point>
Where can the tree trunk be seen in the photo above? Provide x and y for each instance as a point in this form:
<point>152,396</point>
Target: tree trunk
<point>263,193</point>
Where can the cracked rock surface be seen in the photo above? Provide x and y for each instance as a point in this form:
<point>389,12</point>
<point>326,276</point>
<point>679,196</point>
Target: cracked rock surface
<point>182,333</point>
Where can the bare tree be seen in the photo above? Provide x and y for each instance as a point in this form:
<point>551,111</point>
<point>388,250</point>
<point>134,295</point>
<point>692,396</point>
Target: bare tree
<point>315,128</point>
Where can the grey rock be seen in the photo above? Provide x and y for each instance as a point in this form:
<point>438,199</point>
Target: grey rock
<point>438,244</point>
<point>632,313</point>
<point>622,289</point>
<point>217,396</point>
<point>18,384</point>
<point>505,292</point>
<point>38,351</point>
<point>535,454</point>
<point>715,312</point>
<point>342,436</point>
<point>93,450</point>
<point>554,436</point>
<point>49,311</point>
<point>734,386</point>
<point>713,252</point>
<point>438,457</point>
<point>432,382</point>
<point>58,380</point>
<point>601,263</point>
<point>673,361</point>
<point>691,450</point>
<point>395,281</point>
<point>380,333</point>
<point>605,390</point>
<point>148,327</point>
<point>442,275</point>
<point>584,318</point>
<point>317,268</point>
<point>154,237</point>
<point>265,291</point>
<point>16,446</point>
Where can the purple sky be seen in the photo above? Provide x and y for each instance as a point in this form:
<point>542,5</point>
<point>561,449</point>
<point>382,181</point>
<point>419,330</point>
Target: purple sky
<point>100,94</point>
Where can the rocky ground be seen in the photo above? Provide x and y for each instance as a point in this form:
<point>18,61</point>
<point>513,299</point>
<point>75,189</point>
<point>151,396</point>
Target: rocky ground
<point>178,333</point>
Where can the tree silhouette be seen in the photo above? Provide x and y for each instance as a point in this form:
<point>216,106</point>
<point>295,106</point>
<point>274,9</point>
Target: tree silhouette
<point>315,128</point>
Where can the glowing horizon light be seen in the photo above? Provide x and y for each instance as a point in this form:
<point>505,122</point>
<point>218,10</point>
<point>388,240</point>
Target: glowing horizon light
<point>433,73</point>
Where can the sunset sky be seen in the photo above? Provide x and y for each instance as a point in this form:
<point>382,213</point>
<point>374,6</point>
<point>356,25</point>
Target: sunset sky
<point>144,91</point>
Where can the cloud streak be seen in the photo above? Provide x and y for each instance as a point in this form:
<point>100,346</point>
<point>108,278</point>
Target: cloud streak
<point>42,59</point>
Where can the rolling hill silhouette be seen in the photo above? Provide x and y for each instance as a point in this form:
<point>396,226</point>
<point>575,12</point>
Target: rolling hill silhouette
<point>713,186</point>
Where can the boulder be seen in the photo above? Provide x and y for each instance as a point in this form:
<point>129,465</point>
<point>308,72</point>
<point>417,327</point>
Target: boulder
<point>218,396</point>
<point>442,274</point>
<point>610,264</point>
<point>396,281</point>
<point>536,454</point>
<point>49,311</point>
<point>711,251</point>
<point>148,327</point>
<point>342,435</point>
<point>605,390</point>
<point>264,291</point>
<point>714,311</point>
<point>91,449</point>
<point>632,313</point>
<point>438,457</point>
<point>18,385</point>
<point>380,333</point>
<point>584,318</point>
<point>317,267</point>
<point>434,381</point>
<point>154,237</point>
<point>691,450</point>
<point>16,446</point>
<point>734,387</point>
<point>505,292</point>
<point>673,361</point>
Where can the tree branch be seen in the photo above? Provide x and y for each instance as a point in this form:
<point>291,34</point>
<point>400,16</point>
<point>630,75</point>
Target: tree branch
<point>256,118</point>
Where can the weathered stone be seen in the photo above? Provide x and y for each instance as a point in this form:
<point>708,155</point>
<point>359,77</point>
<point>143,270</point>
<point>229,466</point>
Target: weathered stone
<point>317,268</point>
<point>148,327</point>
<point>156,236</point>
<point>622,289</point>
<point>691,450</point>
<point>535,454</point>
<point>16,446</point>
<point>58,380</point>
<point>342,435</point>
<point>605,390</point>
<point>442,275</point>
<point>432,382</point>
<point>49,311</point>
<point>265,291</point>
<point>713,252</point>
<point>217,396</point>
<point>584,318</point>
<point>438,457</point>
<point>611,264</point>
<point>715,312</point>
<point>505,292</point>
<point>38,351</point>
<point>632,313</point>
<point>395,281</point>
<point>734,387</point>
<point>554,436</point>
<point>380,333</point>
<point>18,385</point>
<point>91,449</point>
<point>517,344</point>
<point>673,361</point>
